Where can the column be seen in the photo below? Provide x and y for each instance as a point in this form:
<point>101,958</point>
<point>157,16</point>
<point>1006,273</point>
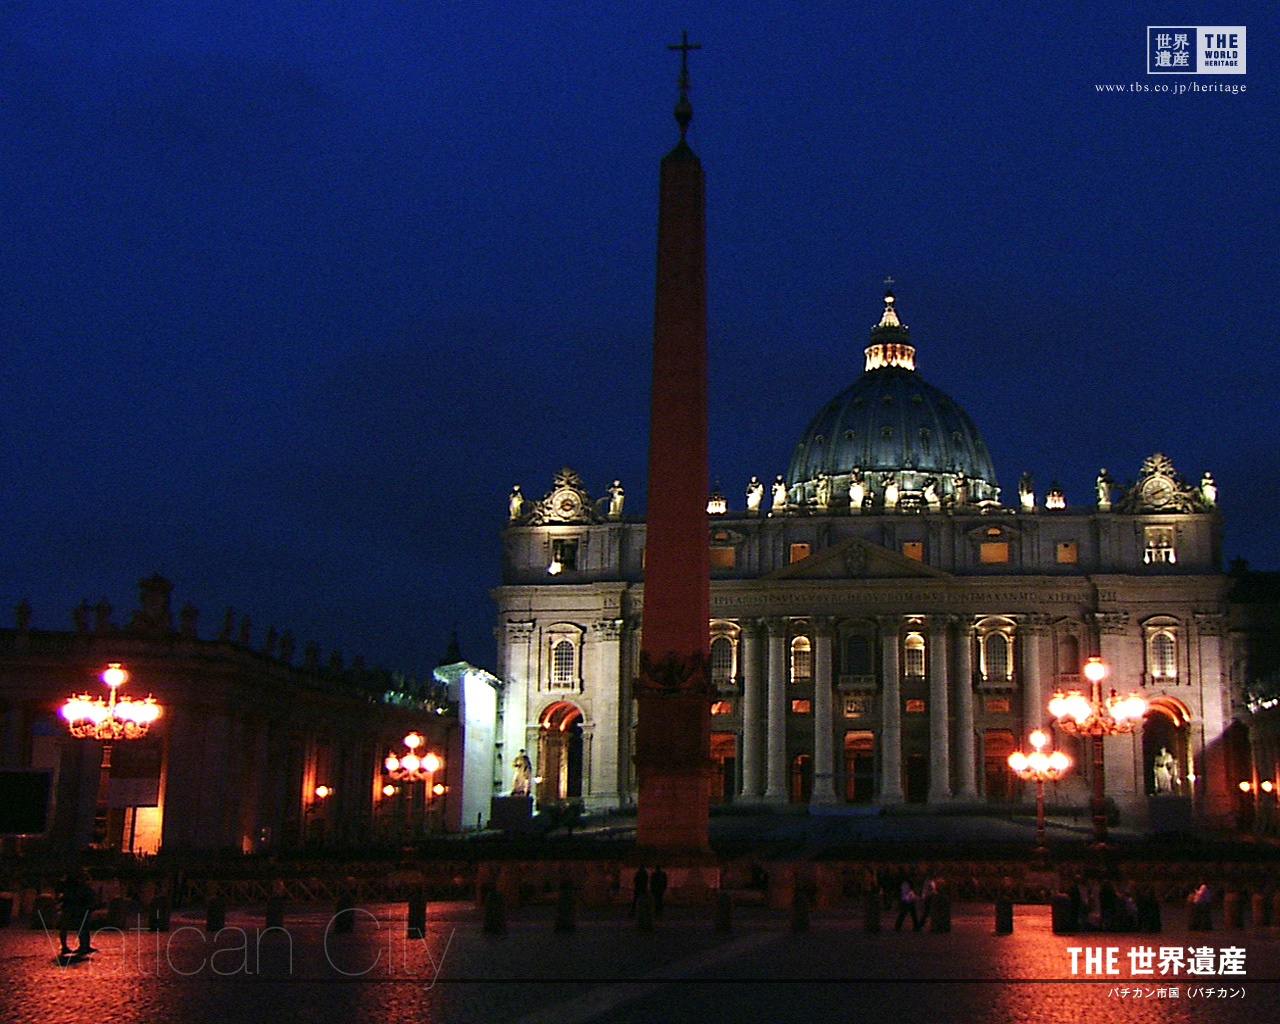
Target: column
<point>1035,705</point>
<point>605,787</point>
<point>939,713</point>
<point>890,714</point>
<point>823,787</point>
<point>966,785</point>
<point>776,759</point>
<point>752,708</point>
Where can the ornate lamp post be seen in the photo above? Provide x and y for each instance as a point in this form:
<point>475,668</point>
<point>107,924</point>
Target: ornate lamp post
<point>410,767</point>
<point>1039,767</point>
<point>1097,718</point>
<point>118,718</point>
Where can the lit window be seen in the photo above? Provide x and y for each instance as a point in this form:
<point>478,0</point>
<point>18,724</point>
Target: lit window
<point>995,657</point>
<point>1164,663</point>
<point>722,707</point>
<point>1159,545</point>
<point>801,660</point>
<point>722,661</point>
<point>913,655</point>
<point>1068,552</point>
<point>564,556</point>
<point>997,705</point>
<point>913,549</point>
<point>723,557</point>
<point>915,707</point>
<point>563,662</point>
<point>801,707</point>
<point>799,551</point>
<point>855,707</point>
<point>993,551</point>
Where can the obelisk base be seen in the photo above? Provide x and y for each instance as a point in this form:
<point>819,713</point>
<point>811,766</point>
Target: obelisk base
<point>674,773</point>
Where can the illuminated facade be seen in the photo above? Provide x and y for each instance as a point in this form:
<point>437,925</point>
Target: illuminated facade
<point>884,629</point>
<point>254,750</point>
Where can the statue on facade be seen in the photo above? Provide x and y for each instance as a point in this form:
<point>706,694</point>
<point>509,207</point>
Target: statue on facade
<point>515,504</point>
<point>521,774</point>
<point>1103,486</point>
<point>890,492</point>
<point>1162,771</point>
<point>755,494</point>
<point>823,491</point>
<point>931,497</point>
<point>1208,490</point>
<point>962,489</point>
<point>616,496</point>
<point>857,490</point>
<point>779,495</point>
<point>1026,493</point>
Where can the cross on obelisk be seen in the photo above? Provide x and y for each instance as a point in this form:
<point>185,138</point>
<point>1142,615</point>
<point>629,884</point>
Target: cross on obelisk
<point>673,728</point>
<point>684,111</point>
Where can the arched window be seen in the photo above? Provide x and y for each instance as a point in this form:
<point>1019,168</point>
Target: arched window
<point>1164,655</point>
<point>995,657</point>
<point>801,660</point>
<point>913,656</point>
<point>722,662</point>
<point>564,660</point>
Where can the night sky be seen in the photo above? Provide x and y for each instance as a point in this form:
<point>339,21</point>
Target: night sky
<point>294,291</point>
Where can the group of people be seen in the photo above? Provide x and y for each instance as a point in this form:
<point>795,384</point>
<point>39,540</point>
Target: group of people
<point>918,904</point>
<point>76,903</point>
<point>650,885</point>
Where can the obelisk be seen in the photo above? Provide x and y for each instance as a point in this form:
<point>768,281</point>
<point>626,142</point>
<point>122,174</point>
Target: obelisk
<point>673,731</point>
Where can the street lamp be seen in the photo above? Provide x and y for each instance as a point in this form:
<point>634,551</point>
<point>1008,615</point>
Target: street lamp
<point>1097,718</point>
<point>1039,767</point>
<point>410,767</point>
<point>118,718</point>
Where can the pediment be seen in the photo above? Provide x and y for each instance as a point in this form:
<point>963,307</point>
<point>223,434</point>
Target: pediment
<point>856,558</point>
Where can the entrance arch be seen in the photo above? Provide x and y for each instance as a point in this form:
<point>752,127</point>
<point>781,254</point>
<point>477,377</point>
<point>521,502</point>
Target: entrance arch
<point>1166,753</point>
<point>559,775</point>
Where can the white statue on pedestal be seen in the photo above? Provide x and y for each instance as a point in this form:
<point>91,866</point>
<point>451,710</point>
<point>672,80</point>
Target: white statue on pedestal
<point>779,495</point>
<point>755,494</point>
<point>857,491</point>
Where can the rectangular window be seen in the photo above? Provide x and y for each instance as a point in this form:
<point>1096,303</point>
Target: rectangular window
<point>1068,553</point>
<point>799,551</point>
<point>723,557</point>
<point>993,551</point>
<point>997,705</point>
<point>913,549</point>
<point>1159,545</point>
<point>855,707</point>
<point>801,707</point>
<point>915,707</point>
<point>722,707</point>
<point>564,556</point>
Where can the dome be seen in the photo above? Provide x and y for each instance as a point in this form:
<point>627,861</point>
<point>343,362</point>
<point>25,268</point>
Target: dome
<point>904,441</point>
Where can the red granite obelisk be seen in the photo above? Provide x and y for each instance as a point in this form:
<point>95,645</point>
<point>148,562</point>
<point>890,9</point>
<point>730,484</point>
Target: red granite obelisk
<point>673,732</point>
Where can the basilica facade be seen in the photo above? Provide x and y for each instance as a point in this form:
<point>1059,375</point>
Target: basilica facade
<point>884,629</point>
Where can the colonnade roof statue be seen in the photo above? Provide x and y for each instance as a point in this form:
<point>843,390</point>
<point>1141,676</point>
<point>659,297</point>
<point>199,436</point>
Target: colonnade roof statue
<point>892,427</point>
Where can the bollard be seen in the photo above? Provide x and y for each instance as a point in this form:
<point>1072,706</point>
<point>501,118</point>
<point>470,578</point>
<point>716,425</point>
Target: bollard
<point>566,909</point>
<point>799,912</point>
<point>940,913</point>
<point>158,914</point>
<point>344,916</point>
<point>644,912</point>
<point>215,915</point>
<point>1004,916</point>
<point>1259,911</point>
<point>1232,911</point>
<point>495,914</point>
<point>417,928</point>
<point>724,913</point>
<point>275,912</point>
<point>1063,914</point>
<point>44,913</point>
<point>6,909</point>
<point>871,912</point>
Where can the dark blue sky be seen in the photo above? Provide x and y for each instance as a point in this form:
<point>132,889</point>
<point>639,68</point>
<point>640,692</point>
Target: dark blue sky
<point>295,290</point>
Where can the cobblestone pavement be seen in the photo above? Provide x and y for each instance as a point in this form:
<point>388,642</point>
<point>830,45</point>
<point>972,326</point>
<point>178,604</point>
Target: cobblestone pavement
<point>607,970</point>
